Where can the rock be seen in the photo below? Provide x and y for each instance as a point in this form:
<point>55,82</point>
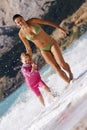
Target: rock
<point>28,8</point>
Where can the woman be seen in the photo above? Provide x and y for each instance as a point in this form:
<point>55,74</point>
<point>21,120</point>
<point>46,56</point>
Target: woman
<point>31,30</point>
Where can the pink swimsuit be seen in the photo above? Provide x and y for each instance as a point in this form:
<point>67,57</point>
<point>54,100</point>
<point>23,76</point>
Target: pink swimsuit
<point>32,79</point>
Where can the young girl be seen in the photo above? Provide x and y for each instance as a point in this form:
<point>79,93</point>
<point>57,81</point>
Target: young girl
<point>32,76</point>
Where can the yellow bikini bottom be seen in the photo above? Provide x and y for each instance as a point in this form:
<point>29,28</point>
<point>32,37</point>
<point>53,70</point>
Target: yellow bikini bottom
<point>48,47</point>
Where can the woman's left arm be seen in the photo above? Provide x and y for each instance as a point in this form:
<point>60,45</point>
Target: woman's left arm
<point>45,22</point>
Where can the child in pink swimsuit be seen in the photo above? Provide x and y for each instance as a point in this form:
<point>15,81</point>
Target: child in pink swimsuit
<point>32,76</point>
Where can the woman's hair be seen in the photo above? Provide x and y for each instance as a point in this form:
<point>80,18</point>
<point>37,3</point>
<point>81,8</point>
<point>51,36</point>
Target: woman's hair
<point>24,55</point>
<point>16,16</point>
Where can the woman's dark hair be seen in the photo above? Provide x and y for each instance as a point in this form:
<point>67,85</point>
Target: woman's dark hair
<point>16,16</point>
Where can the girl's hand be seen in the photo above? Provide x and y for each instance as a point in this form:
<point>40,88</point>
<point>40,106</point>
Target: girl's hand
<point>34,66</point>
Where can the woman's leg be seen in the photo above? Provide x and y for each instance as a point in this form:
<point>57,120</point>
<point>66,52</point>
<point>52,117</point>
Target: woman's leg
<point>60,60</point>
<point>49,58</point>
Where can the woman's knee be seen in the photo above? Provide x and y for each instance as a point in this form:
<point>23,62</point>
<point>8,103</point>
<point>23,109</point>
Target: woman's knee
<point>55,66</point>
<point>64,65</point>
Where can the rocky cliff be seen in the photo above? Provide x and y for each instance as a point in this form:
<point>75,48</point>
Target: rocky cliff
<point>28,8</point>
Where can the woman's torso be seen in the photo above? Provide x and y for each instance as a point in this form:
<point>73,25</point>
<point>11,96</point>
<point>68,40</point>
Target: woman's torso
<point>40,39</point>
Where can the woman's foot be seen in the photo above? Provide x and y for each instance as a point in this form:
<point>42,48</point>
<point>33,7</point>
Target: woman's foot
<point>71,76</point>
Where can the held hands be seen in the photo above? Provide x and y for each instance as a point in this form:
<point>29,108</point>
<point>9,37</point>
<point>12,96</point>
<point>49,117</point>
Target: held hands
<point>30,55</point>
<point>28,51</point>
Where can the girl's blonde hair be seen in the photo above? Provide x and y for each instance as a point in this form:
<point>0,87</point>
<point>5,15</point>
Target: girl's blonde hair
<point>24,55</point>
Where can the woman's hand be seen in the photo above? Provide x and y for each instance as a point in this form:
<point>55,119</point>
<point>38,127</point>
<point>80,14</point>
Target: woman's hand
<point>65,32</point>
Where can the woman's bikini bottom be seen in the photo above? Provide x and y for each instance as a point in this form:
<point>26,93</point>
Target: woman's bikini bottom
<point>48,46</point>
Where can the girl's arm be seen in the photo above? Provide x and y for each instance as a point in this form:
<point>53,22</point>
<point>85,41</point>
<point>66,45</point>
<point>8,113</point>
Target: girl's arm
<point>25,72</point>
<point>34,67</point>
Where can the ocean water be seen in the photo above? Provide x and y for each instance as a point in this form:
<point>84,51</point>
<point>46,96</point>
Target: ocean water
<point>7,103</point>
<point>22,110</point>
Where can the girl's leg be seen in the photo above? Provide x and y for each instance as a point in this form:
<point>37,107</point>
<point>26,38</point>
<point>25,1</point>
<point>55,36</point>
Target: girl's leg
<point>40,97</point>
<point>49,58</point>
<point>37,92</point>
<point>60,60</point>
<point>48,90</point>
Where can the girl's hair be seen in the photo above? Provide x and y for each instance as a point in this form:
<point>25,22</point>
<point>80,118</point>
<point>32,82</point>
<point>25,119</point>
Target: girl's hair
<point>16,16</point>
<point>24,55</point>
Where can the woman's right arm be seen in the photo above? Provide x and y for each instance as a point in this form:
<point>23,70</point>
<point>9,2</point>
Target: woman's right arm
<point>26,44</point>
